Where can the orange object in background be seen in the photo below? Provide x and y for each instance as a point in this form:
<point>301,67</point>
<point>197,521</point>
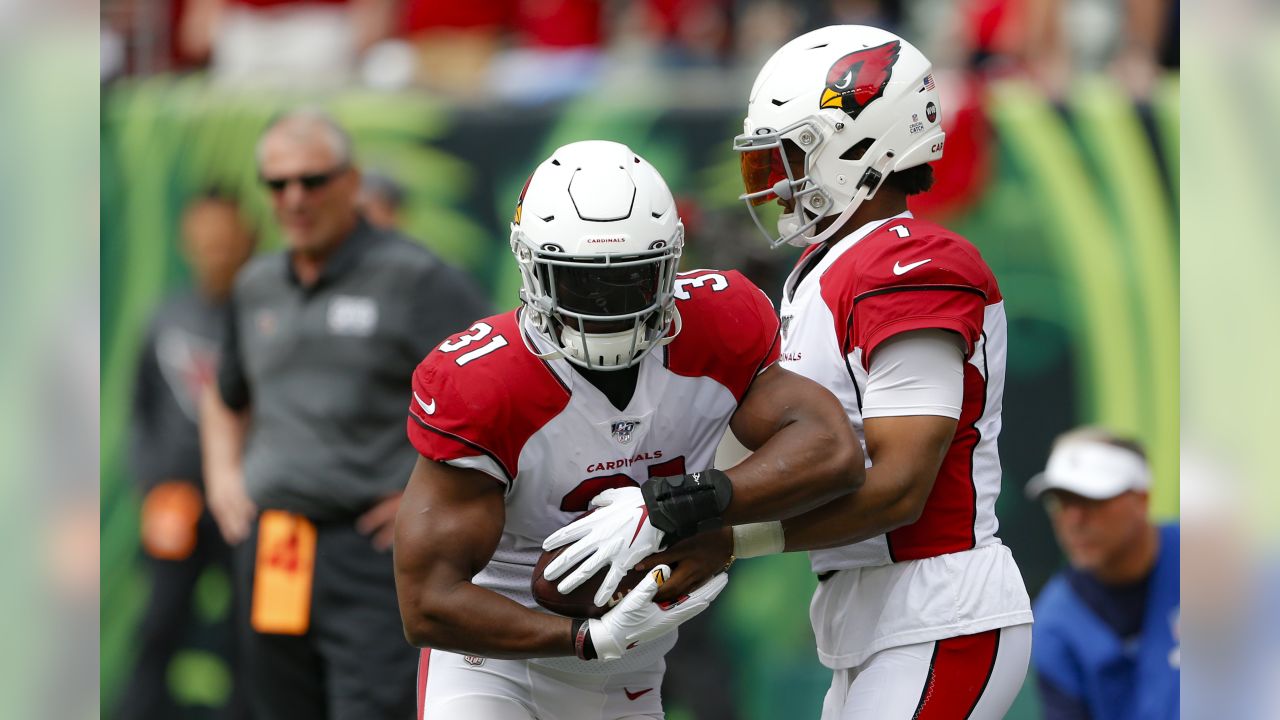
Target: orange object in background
<point>170,514</point>
<point>283,573</point>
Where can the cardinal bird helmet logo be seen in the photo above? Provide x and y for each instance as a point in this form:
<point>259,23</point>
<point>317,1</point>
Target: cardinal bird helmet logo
<point>520,203</point>
<point>860,77</point>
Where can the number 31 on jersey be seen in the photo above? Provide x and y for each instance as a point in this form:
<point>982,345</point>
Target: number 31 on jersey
<point>474,334</point>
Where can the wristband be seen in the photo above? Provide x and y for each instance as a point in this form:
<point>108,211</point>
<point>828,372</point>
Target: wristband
<point>758,539</point>
<point>582,645</point>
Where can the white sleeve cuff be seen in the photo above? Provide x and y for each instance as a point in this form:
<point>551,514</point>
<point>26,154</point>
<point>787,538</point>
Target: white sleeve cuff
<point>484,464</point>
<point>920,372</point>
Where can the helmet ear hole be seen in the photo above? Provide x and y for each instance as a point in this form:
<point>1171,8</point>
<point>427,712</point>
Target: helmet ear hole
<point>858,150</point>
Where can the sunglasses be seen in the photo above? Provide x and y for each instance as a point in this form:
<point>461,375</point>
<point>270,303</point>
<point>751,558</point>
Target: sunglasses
<point>314,181</point>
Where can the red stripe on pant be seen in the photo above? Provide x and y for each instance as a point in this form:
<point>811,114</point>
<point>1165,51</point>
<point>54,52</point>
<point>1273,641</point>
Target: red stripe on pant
<point>958,675</point>
<point>424,661</point>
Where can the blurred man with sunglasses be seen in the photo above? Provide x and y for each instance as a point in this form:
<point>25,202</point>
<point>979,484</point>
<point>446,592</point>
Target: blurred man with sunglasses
<point>305,454</point>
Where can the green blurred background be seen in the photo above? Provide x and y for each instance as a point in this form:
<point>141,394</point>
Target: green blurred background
<point>1072,202</point>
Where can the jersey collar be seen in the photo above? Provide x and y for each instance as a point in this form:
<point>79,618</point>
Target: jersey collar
<point>822,257</point>
<point>856,236</point>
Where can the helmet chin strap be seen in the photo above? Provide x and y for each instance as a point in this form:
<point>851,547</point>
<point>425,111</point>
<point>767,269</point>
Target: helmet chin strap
<point>789,223</point>
<point>612,351</point>
<point>608,350</point>
<point>602,345</point>
<point>791,226</point>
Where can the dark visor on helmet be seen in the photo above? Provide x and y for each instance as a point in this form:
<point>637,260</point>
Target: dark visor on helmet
<point>605,290</point>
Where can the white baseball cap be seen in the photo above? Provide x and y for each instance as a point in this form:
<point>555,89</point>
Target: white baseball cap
<point>1091,468</point>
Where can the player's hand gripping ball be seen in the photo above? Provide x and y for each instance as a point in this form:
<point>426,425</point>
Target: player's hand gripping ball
<point>579,602</point>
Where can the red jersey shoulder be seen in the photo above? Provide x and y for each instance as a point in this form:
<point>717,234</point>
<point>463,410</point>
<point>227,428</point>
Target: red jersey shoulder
<point>908,275</point>
<point>910,252</point>
<point>728,329</point>
<point>482,392</point>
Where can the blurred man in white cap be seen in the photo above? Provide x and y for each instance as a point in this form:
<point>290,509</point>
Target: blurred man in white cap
<point>1105,642</point>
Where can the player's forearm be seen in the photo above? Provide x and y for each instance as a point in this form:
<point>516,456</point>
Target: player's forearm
<point>222,433</point>
<point>886,502</point>
<point>470,619</point>
<point>907,452</point>
<point>800,468</point>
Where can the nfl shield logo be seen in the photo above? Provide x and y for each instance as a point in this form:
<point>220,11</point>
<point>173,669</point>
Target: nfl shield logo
<point>472,660</point>
<point>622,430</point>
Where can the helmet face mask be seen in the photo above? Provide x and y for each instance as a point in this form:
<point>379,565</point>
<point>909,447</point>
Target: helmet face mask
<point>768,161</point>
<point>823,94</point>
<point>598,244</point>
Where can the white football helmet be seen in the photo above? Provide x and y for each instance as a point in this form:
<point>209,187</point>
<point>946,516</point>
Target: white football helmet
<point>598,241</point>
<point>822,94</point>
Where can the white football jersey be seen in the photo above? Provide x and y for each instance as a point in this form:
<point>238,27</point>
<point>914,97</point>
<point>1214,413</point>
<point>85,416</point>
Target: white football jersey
<point>905,274</point>
<point>482,400</point>
<point>889,277</point>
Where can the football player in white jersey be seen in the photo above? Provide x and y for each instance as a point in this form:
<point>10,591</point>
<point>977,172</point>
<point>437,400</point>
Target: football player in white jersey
<point>616,371</point>
<point>920,611</point>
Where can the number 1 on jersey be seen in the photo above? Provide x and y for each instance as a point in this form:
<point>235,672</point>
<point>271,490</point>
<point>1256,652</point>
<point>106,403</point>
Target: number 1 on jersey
<point>474,334</point>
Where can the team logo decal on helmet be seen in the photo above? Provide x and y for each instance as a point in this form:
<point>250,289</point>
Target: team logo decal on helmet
<point>860,77</point>
<point>520,203</point>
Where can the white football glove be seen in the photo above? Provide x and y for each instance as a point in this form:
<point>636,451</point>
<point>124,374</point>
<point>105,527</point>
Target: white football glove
<point>617,534</point>
<point>637,618</point>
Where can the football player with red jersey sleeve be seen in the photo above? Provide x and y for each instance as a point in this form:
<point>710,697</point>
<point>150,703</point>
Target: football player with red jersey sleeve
<point>920,611</point>
<point>616,372</point>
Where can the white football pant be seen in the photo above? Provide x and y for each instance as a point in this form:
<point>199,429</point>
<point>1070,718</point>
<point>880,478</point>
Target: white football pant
<point>457,687</point>
<point>974,677</point>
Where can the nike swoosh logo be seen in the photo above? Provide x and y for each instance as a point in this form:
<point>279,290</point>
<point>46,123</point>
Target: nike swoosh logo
<point>636,694</point>
<point>899,269</point>
<point>428,408</point>
<point>644,515</point>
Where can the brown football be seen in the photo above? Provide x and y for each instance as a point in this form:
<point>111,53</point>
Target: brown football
<point>578,603</point>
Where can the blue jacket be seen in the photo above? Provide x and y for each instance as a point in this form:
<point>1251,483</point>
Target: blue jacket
<point>1089,668</point>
